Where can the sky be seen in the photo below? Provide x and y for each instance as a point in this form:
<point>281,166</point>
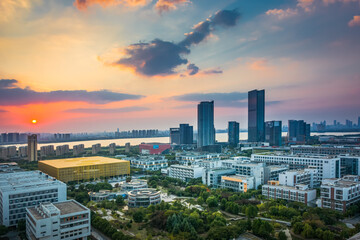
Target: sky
<point>99,65</point>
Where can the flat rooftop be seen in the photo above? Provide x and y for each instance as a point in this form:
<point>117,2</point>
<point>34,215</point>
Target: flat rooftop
<point>65,208</point>
<point>79,162</point>
<point>22,181</point>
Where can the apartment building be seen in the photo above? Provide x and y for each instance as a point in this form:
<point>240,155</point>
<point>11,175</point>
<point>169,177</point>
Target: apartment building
<point>298,193</point>
<point>308,176</point>
<point>328,166</point>
<point>212,177</point>
<point>340,193</point>
<point>184,172</point>
<point>238,183</point>
<point>68,220</point>
<point>19,190</point>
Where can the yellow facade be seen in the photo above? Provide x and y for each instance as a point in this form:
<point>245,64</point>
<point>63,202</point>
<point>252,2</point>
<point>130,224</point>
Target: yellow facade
<point>75,169</point>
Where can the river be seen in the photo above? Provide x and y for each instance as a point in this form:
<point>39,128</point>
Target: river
<point>220,137</point>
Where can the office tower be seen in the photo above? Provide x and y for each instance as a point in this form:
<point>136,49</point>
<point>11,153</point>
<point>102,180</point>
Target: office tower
<point>112,148</point>
<point>256,116</point>
<point>32,148</point>
<point>175,136</point>
<point>127,147</point>
<point>186,134</point>
<point>233,133</point>
<point>349,123</point>
<point>4,137</point>
<point>206,128</point>
<point>298,132</point>
<point>273,131</point>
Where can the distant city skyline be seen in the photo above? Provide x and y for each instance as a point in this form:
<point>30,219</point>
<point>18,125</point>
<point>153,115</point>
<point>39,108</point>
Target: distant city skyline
<point>81,66</point>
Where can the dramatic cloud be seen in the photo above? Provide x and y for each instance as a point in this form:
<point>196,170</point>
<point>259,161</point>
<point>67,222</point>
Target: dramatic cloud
<point>107,110</point>
<point>11,94</point>
<point>354,22</point>
<point>167,5</point>
<point>84,4</point>
<point>281,14</point>
<point>161,58</point>
<point>307,5</point>
<point>193,69</point>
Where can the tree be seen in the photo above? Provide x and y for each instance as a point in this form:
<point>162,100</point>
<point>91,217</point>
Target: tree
<point>251,211</point>
<point>282,235</point>
<point>3,230</point>
<point>138,216</point>
<point>327,235</point>
<point>21,225</point>
<point>308,232</point>
<point>120,201</point>
<point>212,202</point>
<point>319,233</point>
<point>298,227</point>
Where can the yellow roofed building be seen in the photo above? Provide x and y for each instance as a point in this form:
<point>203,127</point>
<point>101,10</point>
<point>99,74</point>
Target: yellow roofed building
<point>85,168</point>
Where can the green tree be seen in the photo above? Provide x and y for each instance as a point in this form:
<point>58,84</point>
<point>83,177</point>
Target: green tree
<point>251,211</point>
<point>327,235</point>
<point>120,201</point>
<point>298,227</point>
<point>21,225</point>
<point>3,230</point>
<point>308,232</point>
<point>319,233</point>
<point>212,202</point>
<point>138,216</point>
<point>282,235</point>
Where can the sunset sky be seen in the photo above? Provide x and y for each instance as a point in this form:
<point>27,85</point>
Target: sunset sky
<point>97,65</point>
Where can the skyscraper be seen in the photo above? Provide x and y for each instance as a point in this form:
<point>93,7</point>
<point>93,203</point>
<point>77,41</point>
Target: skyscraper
<point>273,131</point>
<point>256,115</point>
<point>233,133</point>
<point>186,134</point>
<point>206,128</point>
<point>359,122</point>
<point>174,136</point>
<point>32,148</point>
<point>298,132</point>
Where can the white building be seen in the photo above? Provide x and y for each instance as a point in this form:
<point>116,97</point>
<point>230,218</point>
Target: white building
<point>144,197</point>
<point>340,193</point>
<point>55,221</point>
<point>328,166</point>
<point>193,158</point>
<point>133,185</point>
<point>297,193</point>
<point>238,183</point>
<point>272,172</point>
<point>184,172</point>
<point>212,177</point>
<point>19,190</point>
<point>307,176</point>
<point>148,163</point>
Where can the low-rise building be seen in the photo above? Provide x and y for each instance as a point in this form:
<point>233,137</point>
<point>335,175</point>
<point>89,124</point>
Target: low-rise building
<point>148,163</point>
<point>298,193</point>
<point>9,167</point>
<point>307,176</point>
<point>272,172</point>
<point>184,172</point>
<point>19,190</point>
<point>340,193</point>
<point>212,177</point>
<point>144,197</point>
<point>68,220</point>
<point>154,148</point>
<point>133,185</point>
<point>238,183</point>
<point>102,195</point>
<point>194,158</point>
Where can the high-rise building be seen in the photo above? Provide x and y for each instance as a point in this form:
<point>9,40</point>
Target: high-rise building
<point>127,147</point>
<point>349,123</point>
<point>186,134</point>
<point>112,148</point>
<point>256,115</point>
<point>273,131</point>
<point>233,133</point>
<point>32,148</point>
<point>95,149</point>
<point>298,132</point>
<point>206,128</point>
<point>359,122</point>
<point>46,151</point>
<point>78,149</point>
<point>62,150</point>
<point>175,136</point>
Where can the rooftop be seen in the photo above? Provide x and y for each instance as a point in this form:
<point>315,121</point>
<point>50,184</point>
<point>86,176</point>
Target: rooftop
<point>144,192</point>
<point>22,181</point>
<point>281,154</point>
<point>78,162</point>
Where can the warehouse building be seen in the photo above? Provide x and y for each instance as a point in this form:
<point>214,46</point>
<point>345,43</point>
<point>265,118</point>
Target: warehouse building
<point>86,168</point>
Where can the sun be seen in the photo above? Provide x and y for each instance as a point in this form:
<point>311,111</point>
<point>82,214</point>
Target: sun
<point>34,121</point>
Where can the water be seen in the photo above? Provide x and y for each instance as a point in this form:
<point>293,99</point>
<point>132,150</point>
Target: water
<point>220,137</point>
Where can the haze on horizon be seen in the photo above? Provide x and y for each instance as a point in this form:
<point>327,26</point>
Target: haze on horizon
<point>96,65</point>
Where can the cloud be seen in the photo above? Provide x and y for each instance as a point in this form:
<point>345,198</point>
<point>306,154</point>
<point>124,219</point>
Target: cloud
<point>281,14</point>
<point>193,69</point>
<point>197,97</point>
<point>11,94</point>
<point>106,110</point>
<point>161,58</point>
<point>213,71</point>
<point>259,65</point>
<point>2,111</point>
<point>167,5</point>
<point>307,5</point>
<point>354,22</point>
<point>84,4</point>
<point>9,8</point>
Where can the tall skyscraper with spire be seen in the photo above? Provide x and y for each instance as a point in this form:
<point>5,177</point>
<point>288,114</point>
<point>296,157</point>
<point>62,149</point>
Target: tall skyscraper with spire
<point>206,128</point>
<point>256,115</point>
